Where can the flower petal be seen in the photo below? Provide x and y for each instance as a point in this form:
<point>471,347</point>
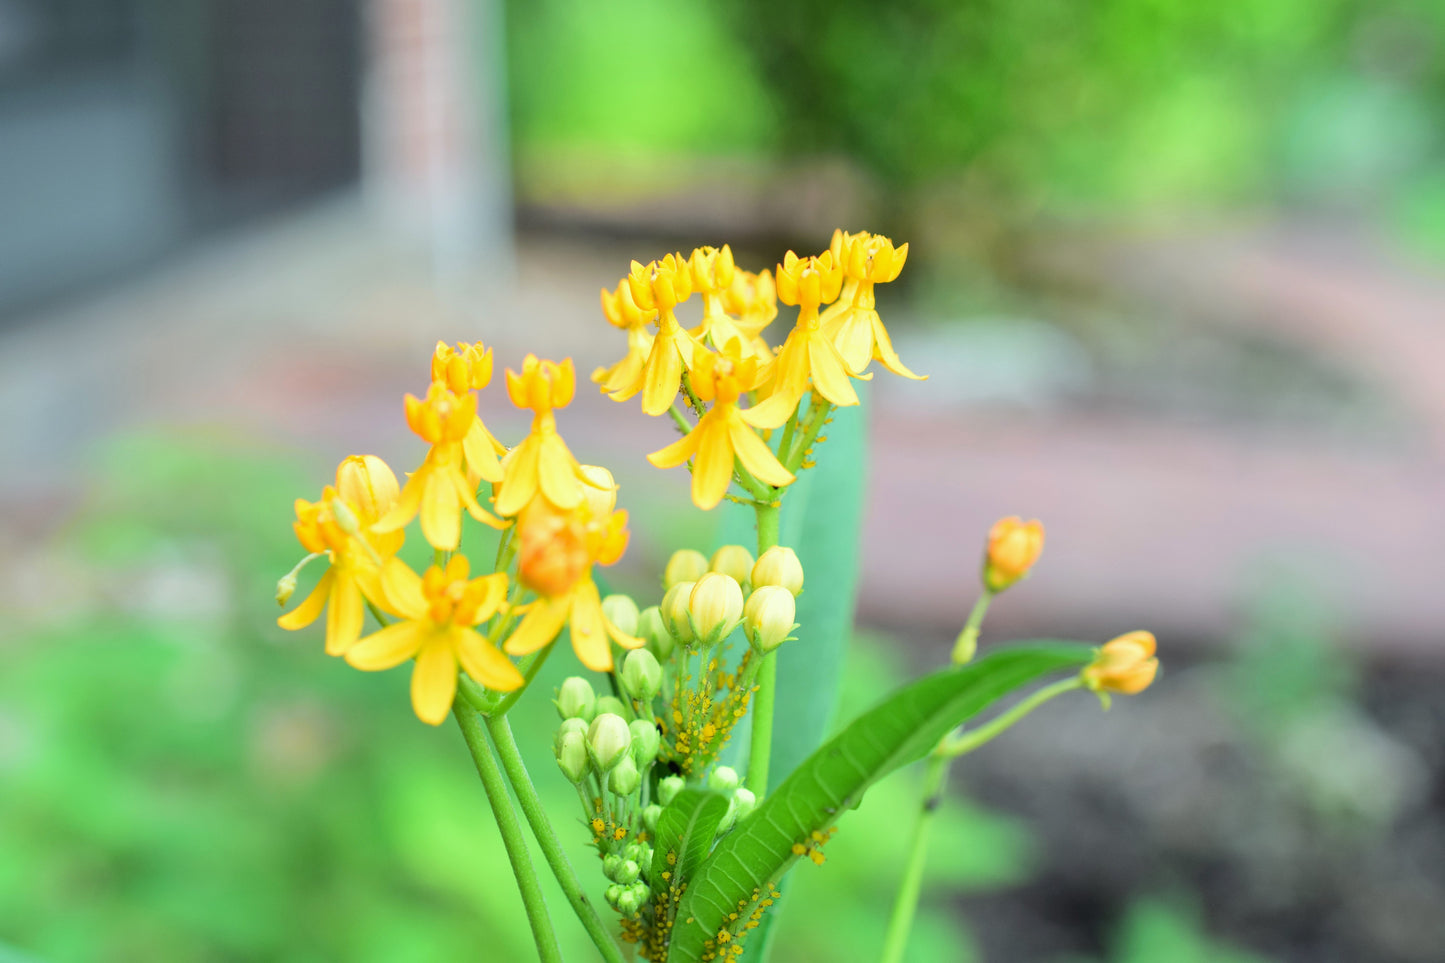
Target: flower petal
<point>540,627</point>
<point>790,380</point>
<point>390,647</point>
<point>589,632</point>
<point>401,590</point>
<point>830,377</point>
<point>677,452</point>
<point>852,335</point>
<point>557,473</point>
<point>663,375</point>
<point>485,664</point>
<point>621,637</point>
<point>344,615</point>
<point>756,456</point>
<point>306,613</point>
<point>441,511</point>
<point>713,471</point>
<point>469,501</point>
<point>883,350</point>
<point>481,457</point>
<point>434,681</point>
<point>520,483</point>
<point>406,505</point>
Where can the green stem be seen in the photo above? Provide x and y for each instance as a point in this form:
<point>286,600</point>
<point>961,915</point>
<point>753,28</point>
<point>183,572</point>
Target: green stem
<point>683,425</point>
<point>967,740</point>
<point>516,770</point>
<point>531,665</point>
<point>760,750</point>
<point>967,642</point>
<point>511,829</point>
<point>381,619</point>
<point>817,417</point>
<point>905,906</point>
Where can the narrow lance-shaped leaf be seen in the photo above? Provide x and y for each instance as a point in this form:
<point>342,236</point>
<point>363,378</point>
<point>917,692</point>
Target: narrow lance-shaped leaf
<point>685,832</point>
<point>902,728</point>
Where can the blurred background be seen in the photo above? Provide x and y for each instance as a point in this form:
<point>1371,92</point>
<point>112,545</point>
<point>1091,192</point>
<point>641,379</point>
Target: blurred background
<point>1175,270</point>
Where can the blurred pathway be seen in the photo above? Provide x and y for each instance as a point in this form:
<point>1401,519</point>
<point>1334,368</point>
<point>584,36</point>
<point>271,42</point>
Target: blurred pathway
<point>308,330</point>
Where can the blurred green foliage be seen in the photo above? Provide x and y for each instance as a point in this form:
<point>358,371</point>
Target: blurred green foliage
<point>1117,107</point>
<point>184,781</point>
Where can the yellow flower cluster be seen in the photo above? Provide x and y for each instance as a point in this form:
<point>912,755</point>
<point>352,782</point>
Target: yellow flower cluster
<point>724,361</point>
<point>558,519</point>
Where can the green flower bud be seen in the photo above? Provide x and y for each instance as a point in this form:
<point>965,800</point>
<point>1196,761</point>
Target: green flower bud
<point>613,705</point>
<point>641,675</point>
<point>608,740</point>
<point>768,617</point>
<point>640,892</point>
<point>645,742</point>
<point>625,777</point>
<point>285,588</point>
<point>628,904</point>
<point>668,788</point>
<point>715,607</point>
<point>614,894</point>
<point>576,700</point>
<point>686,565</point>
<point>569,725</point>
<point>633,850</point>
<point>628,871</point>
<point>779,566</point>
<point>746,802</point>
<point>733,560</point>
<point>611,866</point>
<point>650,815</point>
<point>653,631</point>
<point>724,779</point>
<point>572,756</point>
<point>621,611</point>
<point>674,612</point>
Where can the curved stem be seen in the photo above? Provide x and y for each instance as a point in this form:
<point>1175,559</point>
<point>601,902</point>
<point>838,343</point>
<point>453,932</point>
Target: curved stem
<point>683,425</point>
<point>905,906</point>
<point>512,838</point>
<point>967,740</point>
<point>760,749</point>
<point>967,643</point>
<point>552,851</point>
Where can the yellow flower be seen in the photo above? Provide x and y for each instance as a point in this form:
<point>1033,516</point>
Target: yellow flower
<point>624,379</point>
<point>713,274</point>
<point>447,480</point>
<point>365,489</point>
<point>723,433</point>
<point>752,299</point>
<point>542,463</point>
<point>438,613</point>
<point>558,551</point>
<point>1126,664</point>
<point>808,353</point>
<point>853,323</point>
<point>1013,547</point>
<point>660,286</point>
<point>469,367</point>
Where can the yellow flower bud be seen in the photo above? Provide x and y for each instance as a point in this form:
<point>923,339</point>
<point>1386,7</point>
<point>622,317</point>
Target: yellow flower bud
<point>1126,664</point>
<point>600,491</point>
<point>733,560</point>
<point>622,612</point>
<point>366,482</point>
<point>686,565</point>
<point>285,588</point>
<point>779,565</point>
<point>715,607</point>
<point>674,612</point>
<point>768,617</point>
<point>1013,548</point>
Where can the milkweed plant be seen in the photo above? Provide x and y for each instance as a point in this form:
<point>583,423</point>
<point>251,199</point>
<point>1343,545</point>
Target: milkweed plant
<point>690,852</point>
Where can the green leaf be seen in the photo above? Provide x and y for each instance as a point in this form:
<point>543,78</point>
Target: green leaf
<point>902,728</point>
<point>686,828</point>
